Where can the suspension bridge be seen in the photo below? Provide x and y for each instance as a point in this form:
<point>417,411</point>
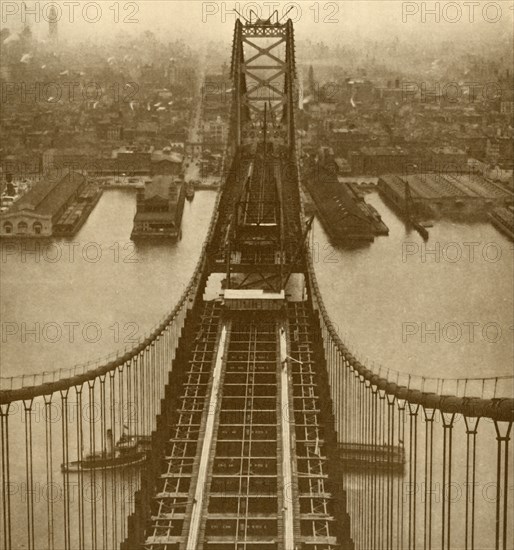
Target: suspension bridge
<point>243,421</point>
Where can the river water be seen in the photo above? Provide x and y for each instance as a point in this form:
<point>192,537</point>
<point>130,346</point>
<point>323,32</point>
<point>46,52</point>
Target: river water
<point>444,309</point>
<point>74,301</point>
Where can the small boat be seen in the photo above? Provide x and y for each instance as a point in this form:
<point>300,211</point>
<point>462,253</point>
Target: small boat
<point>130,450</point>
<point>190,191</point>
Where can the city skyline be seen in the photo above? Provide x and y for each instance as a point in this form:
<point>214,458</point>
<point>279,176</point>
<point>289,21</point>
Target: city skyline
<point>423,22</point>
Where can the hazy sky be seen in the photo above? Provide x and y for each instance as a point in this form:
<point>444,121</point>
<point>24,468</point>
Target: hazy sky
<point>197,20</point>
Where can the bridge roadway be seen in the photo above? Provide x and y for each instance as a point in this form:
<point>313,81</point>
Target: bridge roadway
<point>246,466</point>
<point>246,461</point>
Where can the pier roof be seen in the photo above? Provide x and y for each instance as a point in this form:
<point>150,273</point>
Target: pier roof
<point>159,186</point>
<point>50,194</point>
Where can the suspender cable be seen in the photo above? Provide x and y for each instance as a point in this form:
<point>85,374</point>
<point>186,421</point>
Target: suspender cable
<point>6,483</point>
<point>502,489</point>
<point>65,461</point>
<point>382,401</point>
<point>153,385</point>
<point>80,458</point>
<point>148,390</point>
<point>142,392</point>
<point>121,405</point>
<point>413,462</point>
<point>129,429</point>
<point>136,388</point>
<point>112,408</point>
<point>447,419</point>
<point>390,487</point>
<point>29,474</point>
<point>374,389</point>
<point>369,519</point>
<point>92,450</point>
<point>429,453</point>
<point>6,480</point>
<point>105,446</point>
<point>362,478</point>
<point>471,433</point>
<point>49,472</point>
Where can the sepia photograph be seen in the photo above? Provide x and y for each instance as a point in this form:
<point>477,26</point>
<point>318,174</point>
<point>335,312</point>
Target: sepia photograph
<point>256,275</point>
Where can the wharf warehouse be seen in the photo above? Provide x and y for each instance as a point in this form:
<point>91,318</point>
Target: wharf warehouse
<point>36,213</point>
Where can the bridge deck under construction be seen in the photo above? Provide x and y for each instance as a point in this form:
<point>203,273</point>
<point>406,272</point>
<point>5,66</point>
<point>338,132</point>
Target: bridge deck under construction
<point>246,466</point>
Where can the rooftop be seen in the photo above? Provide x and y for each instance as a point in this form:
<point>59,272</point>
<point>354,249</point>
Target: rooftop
<point>171,156</point>
<point>448,150</point>
<point>50,194</point>
<point>158,187</point>
<point>162,217</point>
<point>447,185</point>
<point>383,151</point>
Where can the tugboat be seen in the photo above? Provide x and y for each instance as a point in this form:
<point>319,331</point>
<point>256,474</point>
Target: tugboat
<point>130,450</point>
<point>190,191</point>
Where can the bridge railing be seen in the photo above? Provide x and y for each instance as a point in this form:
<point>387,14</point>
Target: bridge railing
<point>73,440</point>
<point>425,461</point>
